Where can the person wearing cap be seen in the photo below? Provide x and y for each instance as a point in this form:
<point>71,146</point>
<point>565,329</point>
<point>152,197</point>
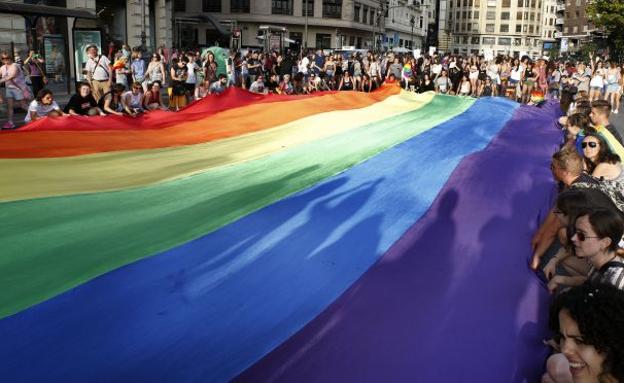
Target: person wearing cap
<point>98,72</point>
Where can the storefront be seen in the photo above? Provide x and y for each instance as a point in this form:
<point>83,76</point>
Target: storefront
<point>47,33</point>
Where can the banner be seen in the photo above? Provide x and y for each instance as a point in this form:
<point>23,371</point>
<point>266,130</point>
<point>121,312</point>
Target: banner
<point>82,39</point>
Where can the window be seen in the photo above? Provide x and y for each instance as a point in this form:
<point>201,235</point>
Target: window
<point>420,22</point>
<point>365,15</point>
<point>371,17</point>
<point>323,41</point>
<point>490,15</point>
<point>519,16</point>
<point>297,37</point>
<point>505,16</point>
<point>310,4</point>
<point>474,40</point>
<point>477,3</point>
<point>469,27</point>
<point>332,9</point>
<point>463,27</point>
<point>530,29</point>
<point>489,41</point>
<point>211,6</point>
<point>518,28</point>
<point>281,7</point>
<point>506,3</point>
<point>356,12</point>
<point>520,3</point>
<point>532,16</point>
<point>475,15</point>
<point>504,41</point>
<point>489,28</point>
<point>504,27</point>
<point>239,6</point>
<point>179,5</point>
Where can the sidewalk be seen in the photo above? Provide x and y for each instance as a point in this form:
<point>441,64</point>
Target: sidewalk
<point>60,96</point>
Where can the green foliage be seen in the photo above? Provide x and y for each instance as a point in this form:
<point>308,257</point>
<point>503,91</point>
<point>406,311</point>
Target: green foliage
<point>607,14</point>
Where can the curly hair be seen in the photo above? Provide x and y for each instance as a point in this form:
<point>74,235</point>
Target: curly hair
<point>598,310</point>
<point>604,153</point>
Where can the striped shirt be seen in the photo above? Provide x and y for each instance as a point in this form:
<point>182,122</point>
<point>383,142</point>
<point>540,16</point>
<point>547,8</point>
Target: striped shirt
<point>611,273</point>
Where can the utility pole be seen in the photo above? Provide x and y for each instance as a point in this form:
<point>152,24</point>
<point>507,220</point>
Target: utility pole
<point>413,22</point>
<point>305,28</point>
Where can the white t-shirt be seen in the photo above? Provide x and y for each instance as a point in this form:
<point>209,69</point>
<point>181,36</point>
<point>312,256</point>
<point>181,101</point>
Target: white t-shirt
<point>191,77</point>
<point>40,109</point>
<point>303,67</point>
<point>436,69</point>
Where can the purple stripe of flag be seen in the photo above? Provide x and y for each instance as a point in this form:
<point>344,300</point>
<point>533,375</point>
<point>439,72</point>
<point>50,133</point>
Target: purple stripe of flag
<point>453,300</point>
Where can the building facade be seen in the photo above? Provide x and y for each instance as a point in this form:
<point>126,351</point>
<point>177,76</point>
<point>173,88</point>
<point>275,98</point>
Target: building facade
<point>405,23</point>
<point>496,26</point>
<point>320,24</point>
<point>550,43</point>
<point>576,28</point>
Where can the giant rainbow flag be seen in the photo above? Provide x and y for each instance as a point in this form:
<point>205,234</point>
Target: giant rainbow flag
<point>337,237</point>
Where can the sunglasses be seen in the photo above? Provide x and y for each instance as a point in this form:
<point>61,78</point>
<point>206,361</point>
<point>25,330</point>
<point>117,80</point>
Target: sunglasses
<point>591,144</point>
<point>582,237</point>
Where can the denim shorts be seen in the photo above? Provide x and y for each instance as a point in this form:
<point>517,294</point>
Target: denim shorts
<point>14,93</point>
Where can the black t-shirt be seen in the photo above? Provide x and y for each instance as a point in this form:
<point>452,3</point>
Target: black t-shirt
<point>257,70</point>
<point>80,105</point>
<point>272,85</point>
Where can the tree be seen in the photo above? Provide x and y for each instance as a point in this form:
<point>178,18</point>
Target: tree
<point>608,16</point>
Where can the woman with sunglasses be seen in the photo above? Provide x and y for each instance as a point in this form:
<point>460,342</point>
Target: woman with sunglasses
<point>600,162</point>
<point>155,70</point>
<point>597,233</point>
<point>588,322</point>
<point>569,204</point>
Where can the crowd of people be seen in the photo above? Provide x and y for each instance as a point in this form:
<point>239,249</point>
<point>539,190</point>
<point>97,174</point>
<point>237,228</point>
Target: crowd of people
<point>578,248</point>
<point>127,83</point>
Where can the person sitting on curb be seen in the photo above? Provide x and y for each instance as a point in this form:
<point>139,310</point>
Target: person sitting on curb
<point>82,103</point>
<point>567,167</point>
<point>600,111</point>
<point>43,106</point>
<point>132,100</point>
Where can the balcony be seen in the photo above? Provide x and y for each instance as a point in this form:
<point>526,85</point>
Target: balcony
<point>560,8</point>
<point>559,21</point>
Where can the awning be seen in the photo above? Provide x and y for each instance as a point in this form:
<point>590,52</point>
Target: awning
<point>44,10</point>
